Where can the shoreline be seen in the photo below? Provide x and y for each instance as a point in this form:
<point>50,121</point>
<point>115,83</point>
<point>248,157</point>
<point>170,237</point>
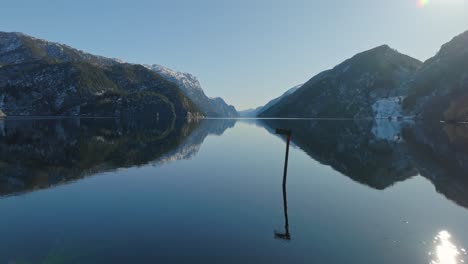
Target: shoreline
<point>3,118</point>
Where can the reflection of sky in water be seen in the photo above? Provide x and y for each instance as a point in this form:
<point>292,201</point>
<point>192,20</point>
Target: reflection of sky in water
<point>445,251</point>
<point>232,187</point>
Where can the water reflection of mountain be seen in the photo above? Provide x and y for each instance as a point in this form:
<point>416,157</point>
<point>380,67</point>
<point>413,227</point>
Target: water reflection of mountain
<point>351,148</point>
<point>441,153</point>
<point>190,146</point>
<point>36,154</point>
<point>381,153</point>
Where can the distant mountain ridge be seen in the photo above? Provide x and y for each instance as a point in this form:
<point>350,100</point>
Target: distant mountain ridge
<point>251,112</point>
<point>212,107</point>
<point>260,109</point>
<point>276,100</point>
<point>351,89</point>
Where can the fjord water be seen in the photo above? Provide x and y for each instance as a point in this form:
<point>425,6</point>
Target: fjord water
<point>109,191</point>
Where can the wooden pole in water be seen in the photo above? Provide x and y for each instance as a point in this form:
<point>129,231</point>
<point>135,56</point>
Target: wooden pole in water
<point>286,159</point>
<point>286,235</point>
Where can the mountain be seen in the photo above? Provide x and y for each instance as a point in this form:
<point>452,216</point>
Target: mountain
<point>19,48</point>
<point>370,84</point>
<point>252,112</point>
<point>277,99</point>
<point>440,87</point>
<point>260,109</point>
<point>44,78</point>
<point>212,107</point>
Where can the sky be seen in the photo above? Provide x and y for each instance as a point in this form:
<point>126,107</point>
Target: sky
<point>245,51</point>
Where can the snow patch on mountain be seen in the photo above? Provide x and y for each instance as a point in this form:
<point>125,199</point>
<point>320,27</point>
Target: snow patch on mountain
<point>389,107</point>
<point>183,79</point>
<point>18,48</point>
<point>189,84</point>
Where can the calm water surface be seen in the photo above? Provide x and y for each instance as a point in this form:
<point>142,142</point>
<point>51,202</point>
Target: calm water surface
<point>107,191</point>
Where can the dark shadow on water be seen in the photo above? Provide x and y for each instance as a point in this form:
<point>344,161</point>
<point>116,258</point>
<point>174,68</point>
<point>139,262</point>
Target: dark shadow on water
<point>381,153</point>
<point>38,154</point>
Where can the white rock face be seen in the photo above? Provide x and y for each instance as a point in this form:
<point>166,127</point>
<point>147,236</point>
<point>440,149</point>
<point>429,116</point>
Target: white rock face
<point>388,107</point>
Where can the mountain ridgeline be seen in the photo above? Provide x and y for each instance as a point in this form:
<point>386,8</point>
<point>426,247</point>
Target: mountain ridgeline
<point>440,87</point>
<point>383,83</point>
<point>351,89</point>
<point>258,110</point>
<point>42,78</point>
<point>212,107</point>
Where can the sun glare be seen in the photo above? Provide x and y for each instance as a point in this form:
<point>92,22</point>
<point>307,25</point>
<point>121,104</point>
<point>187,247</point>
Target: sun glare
<point>446,252</point>
<point>423,3</point>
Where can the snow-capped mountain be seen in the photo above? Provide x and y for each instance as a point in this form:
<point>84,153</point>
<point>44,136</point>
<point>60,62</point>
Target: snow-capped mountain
<point>40,77</point>
<point>212,107</point>
<point>184,79</point>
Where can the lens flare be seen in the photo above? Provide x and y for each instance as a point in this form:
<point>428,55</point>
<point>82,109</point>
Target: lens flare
<point>423,3</point>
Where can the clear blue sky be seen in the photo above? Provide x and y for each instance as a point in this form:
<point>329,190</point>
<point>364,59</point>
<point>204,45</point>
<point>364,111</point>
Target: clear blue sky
<point>246,51</point>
